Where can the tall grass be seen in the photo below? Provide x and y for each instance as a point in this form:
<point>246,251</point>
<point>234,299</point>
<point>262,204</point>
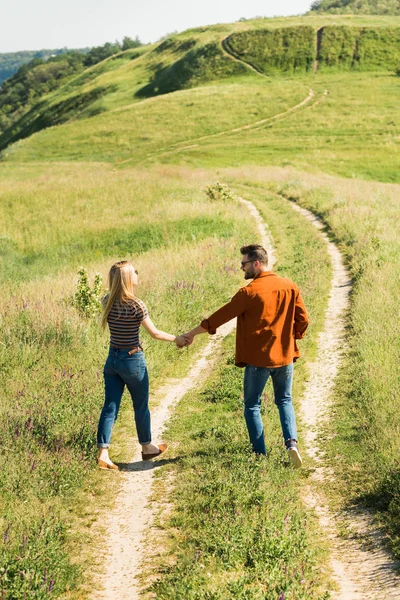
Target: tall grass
<point>366,418</point>
<point>51,380</point>
<point>362,438</point>
<point>235,526</point>
<point>276,51</point>
<point>364,49</point>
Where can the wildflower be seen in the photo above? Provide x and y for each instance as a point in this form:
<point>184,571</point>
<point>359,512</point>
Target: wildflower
<point>6,533</point>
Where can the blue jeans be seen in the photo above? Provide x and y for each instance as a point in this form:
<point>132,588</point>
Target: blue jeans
<point>255,379</point>
<point>123,369</point>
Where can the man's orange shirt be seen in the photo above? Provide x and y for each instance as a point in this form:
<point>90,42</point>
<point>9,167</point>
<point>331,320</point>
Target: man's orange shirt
<point>271,317</point>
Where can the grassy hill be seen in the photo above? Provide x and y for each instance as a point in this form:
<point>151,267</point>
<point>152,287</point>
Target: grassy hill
<point>42,75</point>
<point>116,164</point>
<point>196,57</point>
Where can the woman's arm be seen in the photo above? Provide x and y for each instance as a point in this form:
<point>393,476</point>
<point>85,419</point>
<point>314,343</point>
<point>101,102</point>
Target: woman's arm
<point>162,335</point>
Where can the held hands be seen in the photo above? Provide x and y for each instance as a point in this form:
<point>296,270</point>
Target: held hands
<point>184,340</point>
<point>187,338</point>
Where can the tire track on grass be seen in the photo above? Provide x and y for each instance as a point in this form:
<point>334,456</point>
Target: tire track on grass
<point>133,515</point>
<point>362,572</point>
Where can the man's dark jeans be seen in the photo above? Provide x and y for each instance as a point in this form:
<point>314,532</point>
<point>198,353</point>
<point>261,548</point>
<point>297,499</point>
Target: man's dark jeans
<point>255,379</point>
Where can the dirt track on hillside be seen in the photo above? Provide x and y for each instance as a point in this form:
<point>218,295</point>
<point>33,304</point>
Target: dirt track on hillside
<point>192,142</point>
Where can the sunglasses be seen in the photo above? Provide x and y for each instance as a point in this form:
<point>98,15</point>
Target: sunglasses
<point>244,262</point>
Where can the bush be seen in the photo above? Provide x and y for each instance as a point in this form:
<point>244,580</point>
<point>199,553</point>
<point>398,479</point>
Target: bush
<point>219,191</point>
<point>367,7</point>
<point>87,300</point>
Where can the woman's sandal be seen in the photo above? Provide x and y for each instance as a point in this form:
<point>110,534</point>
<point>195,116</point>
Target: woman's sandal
<point>106,466</point>
<point>161,448</point>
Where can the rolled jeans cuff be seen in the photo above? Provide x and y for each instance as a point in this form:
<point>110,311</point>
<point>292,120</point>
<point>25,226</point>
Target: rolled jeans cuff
<point>103,445</point>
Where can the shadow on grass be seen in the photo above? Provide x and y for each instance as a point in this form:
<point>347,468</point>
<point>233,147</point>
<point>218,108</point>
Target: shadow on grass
<point>146,465</point>
<point>197,66</point>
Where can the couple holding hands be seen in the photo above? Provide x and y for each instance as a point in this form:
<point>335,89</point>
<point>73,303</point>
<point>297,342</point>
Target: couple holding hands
<point>271,316</point>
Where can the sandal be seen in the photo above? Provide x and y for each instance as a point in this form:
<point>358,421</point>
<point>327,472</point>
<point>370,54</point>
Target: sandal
<point>107,466</point>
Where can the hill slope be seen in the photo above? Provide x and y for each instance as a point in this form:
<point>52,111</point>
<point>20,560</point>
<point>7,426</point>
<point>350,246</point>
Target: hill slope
<point>215,54</point>
<point>123,109</point>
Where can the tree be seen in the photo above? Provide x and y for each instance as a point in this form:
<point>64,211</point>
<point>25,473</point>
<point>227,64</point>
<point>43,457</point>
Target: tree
<point>128,42</point>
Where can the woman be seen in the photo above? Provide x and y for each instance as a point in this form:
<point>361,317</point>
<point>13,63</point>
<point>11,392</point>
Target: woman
<point>126,365</point>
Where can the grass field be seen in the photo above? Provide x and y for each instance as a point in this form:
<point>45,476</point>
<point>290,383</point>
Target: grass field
<point>353,131</point>
<point>51,359</point>
<point>112,185</point>
<point>237,529</point>
<point>363,444</point>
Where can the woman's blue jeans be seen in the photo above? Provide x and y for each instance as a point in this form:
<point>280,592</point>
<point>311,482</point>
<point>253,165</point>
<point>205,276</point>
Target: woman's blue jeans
<point>255,379</point>
<point>123,369</point>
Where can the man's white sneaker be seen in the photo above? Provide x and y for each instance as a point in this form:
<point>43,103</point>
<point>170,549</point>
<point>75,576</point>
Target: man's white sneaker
<point>294,454</point>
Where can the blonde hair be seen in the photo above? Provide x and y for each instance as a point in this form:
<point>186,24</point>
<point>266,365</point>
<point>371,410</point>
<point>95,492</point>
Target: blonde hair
<point>122,288</point>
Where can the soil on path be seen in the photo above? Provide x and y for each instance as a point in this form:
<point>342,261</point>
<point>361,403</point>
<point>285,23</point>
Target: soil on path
<point>133,515</point>
<point>362,567</point>
<point>363,571</point>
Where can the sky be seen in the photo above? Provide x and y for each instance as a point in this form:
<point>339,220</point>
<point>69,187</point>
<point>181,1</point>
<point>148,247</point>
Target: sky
<point>38,24</point>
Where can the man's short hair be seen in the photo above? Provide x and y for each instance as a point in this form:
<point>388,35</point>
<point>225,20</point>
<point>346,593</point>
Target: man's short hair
<point>255,252</point>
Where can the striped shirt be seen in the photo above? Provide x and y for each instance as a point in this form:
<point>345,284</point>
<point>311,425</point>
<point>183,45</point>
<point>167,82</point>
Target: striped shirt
<point>124,321</point>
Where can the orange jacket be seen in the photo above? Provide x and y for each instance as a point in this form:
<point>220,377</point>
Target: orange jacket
<point>271,317</point>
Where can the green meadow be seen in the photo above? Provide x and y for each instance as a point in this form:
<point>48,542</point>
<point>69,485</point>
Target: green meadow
<point>122,172</point>
<point>351,131</point>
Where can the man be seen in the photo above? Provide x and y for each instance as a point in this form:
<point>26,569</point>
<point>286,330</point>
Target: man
<point>271,317</point>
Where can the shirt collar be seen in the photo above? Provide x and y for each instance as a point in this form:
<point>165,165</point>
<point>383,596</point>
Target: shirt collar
<point>263,274</point>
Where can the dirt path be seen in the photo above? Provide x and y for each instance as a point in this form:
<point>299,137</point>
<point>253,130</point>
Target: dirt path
<point>133,515</point>
<point>363,569</point>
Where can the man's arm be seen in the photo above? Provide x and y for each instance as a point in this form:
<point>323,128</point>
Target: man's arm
<point>224,314</point>
<point>300,318</point>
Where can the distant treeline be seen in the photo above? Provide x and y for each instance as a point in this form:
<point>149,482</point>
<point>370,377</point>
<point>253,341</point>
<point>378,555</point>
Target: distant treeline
<point>356,7</point>
<point>43,74</point>
<point>297,49</point>
<point>10,62</point>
